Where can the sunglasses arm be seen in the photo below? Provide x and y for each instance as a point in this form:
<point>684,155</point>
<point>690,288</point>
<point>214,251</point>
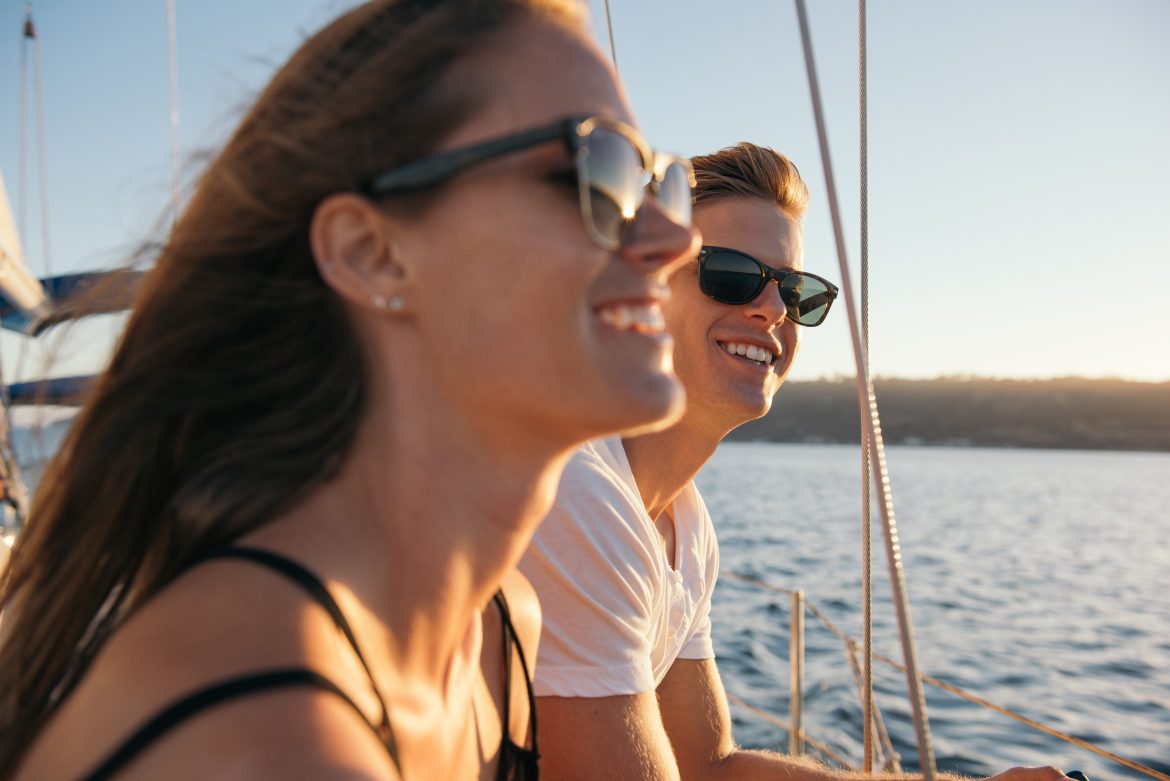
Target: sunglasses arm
<point>439,167</point>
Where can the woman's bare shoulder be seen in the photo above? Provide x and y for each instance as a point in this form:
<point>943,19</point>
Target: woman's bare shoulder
<point>218,622</point>
<point>296,733</point>
<point>287,734</point>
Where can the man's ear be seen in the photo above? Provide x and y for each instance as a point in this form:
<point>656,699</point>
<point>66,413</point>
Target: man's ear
<point>352,243</point>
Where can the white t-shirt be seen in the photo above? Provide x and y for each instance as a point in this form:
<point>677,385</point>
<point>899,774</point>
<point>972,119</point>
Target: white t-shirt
<point>615,614</point>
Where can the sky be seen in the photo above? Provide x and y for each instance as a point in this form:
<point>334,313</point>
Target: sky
<point>1019,170</point>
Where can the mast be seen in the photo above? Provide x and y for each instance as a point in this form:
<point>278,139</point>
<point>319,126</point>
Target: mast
<point>23,290</point>
<point>17,284</point>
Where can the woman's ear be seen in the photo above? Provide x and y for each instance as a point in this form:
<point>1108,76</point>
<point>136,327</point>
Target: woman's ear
<point>352,243</point>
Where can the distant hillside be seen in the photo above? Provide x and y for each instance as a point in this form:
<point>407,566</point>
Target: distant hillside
<point>1059,413</point>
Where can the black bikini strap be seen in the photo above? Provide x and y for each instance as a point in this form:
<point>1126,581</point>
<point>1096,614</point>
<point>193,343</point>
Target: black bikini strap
<point>506,621</point>
<point>192,704</point>
<point>313,586</point>
<point>512,640</point>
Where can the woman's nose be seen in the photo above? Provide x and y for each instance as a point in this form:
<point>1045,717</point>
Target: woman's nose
<point>656,244</point>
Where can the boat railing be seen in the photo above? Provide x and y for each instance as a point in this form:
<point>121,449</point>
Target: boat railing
<point>887,759</point>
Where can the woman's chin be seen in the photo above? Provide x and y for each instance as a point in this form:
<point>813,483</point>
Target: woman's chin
<point>653,404</point>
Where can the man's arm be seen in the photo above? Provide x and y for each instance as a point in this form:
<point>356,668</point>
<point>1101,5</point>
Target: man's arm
<point>682,733</point>
<point>697,721</point>
<point>609,738</point>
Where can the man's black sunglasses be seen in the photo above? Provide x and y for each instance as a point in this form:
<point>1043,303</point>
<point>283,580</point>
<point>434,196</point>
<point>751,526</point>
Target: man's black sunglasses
<point>734,277</point>
<point>614,166</point>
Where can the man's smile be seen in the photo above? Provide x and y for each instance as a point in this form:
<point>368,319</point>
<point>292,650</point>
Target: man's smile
<point>762,356</point>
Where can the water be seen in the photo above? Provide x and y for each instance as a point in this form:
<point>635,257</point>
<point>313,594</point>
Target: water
<point>1037,580</point>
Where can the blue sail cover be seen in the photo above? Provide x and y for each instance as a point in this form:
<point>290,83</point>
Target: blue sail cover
<point>75,295</point>
<point>61,391</point>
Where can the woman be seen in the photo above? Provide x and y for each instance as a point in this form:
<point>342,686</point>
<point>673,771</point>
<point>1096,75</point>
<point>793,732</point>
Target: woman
<point>413,280</point>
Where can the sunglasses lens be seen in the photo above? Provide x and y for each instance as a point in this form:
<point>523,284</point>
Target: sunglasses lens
<point>613,173</point>
<point>730,277</point>
<point>735,278</point>
<point>806,298</point>
<point>674,193</point>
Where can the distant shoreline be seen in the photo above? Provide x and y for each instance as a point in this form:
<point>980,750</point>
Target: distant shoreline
<point>941,446</point>
<point>1069,413</point>
<point>1064,413</point>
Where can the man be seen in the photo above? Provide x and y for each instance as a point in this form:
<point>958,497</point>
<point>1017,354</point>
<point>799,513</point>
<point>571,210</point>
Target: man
<point>625,565</point>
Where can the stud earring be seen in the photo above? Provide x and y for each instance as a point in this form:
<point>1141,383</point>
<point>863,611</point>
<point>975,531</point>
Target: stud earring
<point>397,303</point>
<point>379,302</point>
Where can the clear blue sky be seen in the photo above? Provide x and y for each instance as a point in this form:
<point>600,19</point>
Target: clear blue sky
<point>1019,155</point>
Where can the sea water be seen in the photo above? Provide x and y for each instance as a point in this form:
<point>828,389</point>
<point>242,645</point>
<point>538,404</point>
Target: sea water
<point>1038,580</point>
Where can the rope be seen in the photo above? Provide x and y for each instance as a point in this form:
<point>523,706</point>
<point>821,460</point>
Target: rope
<point>763,714</point>
<point>890,758</point>
<point>609,26</point>
<point>867,703</point>
<point>1034,724</point>
<point>958,692</point>
<point>871,419</point>
<point>781,590</point>
<point>173,52</point>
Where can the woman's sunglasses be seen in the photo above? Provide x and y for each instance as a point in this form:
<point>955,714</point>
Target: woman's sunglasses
<point>615,167</point>
<point>733,277</point>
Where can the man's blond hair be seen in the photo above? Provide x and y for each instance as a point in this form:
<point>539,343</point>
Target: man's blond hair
<point>748,170</point>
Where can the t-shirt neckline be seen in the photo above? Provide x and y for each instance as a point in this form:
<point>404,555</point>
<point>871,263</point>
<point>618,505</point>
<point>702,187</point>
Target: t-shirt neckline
<point>676,569</point>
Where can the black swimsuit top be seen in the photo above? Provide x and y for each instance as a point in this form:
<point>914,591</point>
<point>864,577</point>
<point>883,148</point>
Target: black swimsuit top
<point>516,763</point>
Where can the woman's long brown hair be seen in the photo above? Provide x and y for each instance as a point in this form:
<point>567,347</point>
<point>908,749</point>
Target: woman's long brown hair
<point>238,383</point>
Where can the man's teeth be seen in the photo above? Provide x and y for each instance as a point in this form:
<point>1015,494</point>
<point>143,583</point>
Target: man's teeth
<point>646,318</point>
<point>749,351</point>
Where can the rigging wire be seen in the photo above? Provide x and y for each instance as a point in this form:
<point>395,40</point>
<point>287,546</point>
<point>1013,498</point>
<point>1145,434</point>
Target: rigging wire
<point>867,703</point>
<point>869,418</point>
<point>173,54</point>
<point>22,176</point>
<point>768,717</point>
<point>609,27</point>
<point>30,42</point>
<point>42,167</point>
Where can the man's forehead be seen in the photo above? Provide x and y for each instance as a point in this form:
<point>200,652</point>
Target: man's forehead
<point>754,226</point>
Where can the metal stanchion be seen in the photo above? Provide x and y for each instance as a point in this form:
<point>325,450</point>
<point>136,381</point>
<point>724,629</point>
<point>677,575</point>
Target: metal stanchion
<point>796,675</point>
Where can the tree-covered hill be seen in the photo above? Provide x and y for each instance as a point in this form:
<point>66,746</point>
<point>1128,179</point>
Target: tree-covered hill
<point>1057,413</point>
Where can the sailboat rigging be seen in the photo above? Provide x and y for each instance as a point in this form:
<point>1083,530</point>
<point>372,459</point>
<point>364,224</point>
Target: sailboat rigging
<point>873,463</point>
<point>31,306</point>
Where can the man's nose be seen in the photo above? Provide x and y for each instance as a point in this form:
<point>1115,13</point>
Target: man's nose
<point>768,305</point>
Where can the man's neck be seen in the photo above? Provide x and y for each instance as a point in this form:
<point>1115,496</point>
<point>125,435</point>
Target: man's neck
<point>664,462</point>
